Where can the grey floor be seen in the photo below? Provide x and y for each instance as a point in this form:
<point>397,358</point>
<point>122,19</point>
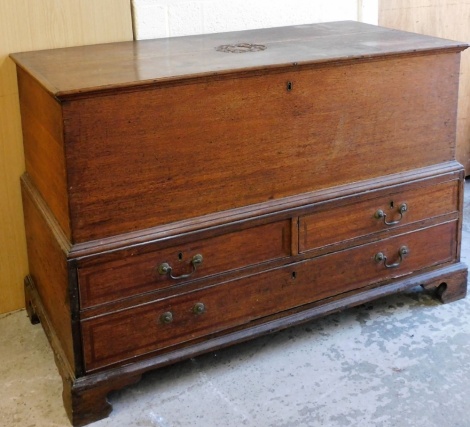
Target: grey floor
<point>398,361</point>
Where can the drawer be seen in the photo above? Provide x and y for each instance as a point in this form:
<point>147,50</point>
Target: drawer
<point>333,224</point>
<point>155,326</point>
<point>132,275</point>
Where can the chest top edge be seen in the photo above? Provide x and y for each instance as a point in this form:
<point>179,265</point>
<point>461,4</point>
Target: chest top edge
<point>83,70</point>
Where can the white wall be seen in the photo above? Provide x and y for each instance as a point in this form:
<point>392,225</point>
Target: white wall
<point>165,18</point>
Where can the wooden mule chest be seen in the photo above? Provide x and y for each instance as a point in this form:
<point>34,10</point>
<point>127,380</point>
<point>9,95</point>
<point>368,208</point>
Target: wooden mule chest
<point>185,194</point>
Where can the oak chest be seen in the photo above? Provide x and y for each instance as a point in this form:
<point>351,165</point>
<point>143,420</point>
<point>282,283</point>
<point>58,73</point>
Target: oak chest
<point>185,194</point>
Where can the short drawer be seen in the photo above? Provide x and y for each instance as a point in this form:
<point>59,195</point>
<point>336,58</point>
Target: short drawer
<point>332,224</point>
<point>120,336</point>
<point>133,275</point>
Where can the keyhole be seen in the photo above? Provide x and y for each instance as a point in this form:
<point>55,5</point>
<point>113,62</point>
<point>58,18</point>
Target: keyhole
<point>180,256</point>
<point>289,86</point>
<point>294,275</point>
<point>391,204</point>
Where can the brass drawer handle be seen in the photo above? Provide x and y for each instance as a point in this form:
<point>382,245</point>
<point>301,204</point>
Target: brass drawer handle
<point>381,257</point>
<point>381,214</point>
<point>166,268</point>
<point>166,317</point>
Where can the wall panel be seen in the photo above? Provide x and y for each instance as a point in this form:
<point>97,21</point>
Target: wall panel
<point>32,25</point>
<point>443,18</point>
<point>164,18</point>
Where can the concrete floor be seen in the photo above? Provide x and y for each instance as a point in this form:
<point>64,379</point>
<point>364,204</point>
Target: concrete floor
<point>400,361</point>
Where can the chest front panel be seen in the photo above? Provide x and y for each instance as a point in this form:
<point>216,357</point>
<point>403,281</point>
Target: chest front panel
<point>150,157</point>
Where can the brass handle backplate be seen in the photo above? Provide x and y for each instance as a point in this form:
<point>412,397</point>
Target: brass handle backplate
<point>381,257</point>
<point>166,268</point>
<point>380,214</point>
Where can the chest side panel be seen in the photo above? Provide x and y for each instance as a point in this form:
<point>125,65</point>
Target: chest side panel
<point>48,269</point>
<point>41,117</point>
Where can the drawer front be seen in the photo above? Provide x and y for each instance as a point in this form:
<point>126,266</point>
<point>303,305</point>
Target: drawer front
<point>120,336</point>
<point>333,224</point>
<point>180,152</point>
<point>132,275</point>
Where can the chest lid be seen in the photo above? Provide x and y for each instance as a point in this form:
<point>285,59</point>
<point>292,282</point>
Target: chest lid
<point>75,71</point>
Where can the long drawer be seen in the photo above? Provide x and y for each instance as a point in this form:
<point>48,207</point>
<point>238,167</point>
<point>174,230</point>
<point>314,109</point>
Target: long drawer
<point>131,274</point>
<point>157,325</point>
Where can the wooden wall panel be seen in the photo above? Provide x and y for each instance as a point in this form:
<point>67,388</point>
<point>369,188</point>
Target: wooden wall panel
<point>443,18</point>
<point>33,25</point>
